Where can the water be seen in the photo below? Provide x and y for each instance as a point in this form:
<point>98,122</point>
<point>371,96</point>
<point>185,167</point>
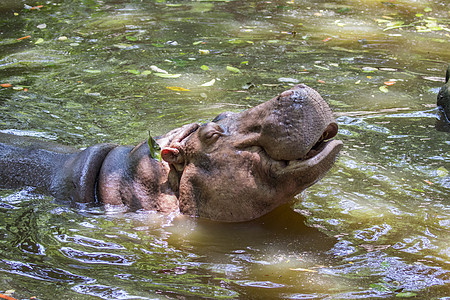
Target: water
<point>375,227</point>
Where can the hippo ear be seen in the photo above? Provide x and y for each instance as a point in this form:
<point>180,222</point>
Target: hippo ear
<point>173,157</point>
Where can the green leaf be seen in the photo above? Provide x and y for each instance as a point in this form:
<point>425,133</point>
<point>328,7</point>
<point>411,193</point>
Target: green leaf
<point>419,15</point>
<point>233,69</point>
<point>235,41</point>
<point>442,172</point>
<point>369,69</point>
<point>383,89</point>
<point>146,72</point>
<point>40,40</point>
<point>164,75</point>
<point>427,9</point>
<point>131,38</point>
<point>204,68</point>
<point>406,294</point>
<point>122,45</point>
<point>244,62</point>
<point>135,72</point>
<point>92,71</point>
<point>155,150</point>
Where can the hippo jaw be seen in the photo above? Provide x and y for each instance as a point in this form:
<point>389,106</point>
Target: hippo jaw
<point>241,166</point>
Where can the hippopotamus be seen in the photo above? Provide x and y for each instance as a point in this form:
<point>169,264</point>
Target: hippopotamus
<point>443,98</point>
<point>237,167</point>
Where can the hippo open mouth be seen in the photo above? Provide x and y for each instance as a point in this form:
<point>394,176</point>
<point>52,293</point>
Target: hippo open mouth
<point>324,141</point>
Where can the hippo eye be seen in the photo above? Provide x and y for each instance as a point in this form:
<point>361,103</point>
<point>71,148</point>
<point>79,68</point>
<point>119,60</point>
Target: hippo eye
<point>210,132</point>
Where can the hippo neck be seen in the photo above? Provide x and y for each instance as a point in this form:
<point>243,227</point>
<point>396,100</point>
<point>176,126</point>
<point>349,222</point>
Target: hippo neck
<point>130,177</point>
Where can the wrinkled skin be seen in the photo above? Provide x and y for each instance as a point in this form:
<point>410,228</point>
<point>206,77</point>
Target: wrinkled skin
<point>238,167</point>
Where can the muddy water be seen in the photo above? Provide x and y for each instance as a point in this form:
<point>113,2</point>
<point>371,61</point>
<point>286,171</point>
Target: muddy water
<point>83,72</point>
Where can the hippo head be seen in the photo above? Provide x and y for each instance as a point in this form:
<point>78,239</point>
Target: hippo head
<point>242,165</point>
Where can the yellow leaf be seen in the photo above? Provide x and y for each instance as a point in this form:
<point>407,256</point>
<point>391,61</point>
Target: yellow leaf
<point>177,88</point>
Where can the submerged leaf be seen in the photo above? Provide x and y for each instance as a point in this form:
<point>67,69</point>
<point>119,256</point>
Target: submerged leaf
<point>442,172</point>
<point>233,69</point>
<point>405,294</point>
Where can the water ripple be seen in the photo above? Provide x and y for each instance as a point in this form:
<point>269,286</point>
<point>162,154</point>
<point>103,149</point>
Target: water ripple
<point>260,284</point>
<point>104,292</point>
<point>36,271</point>
<point>373,233</point>
<point>96,257</point>
<point>88,242</point>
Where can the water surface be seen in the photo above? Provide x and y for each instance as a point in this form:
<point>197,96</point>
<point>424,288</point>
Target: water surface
<point>85,72</point>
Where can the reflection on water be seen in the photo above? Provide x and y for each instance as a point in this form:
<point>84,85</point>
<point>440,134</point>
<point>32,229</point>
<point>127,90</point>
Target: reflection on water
<point>83,72</point>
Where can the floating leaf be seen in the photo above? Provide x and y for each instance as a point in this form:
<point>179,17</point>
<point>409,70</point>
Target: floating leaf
<point>146,72</point>
<point>135,72</point>
<point>158,70</point>
<point>303,270</point>
<point>164,75</point>
<point>235,41</point>
<point>198,43</point>
<point>320,67</point>
<point>244,62</point>
<point>442,172</point>
<point>6,85</point>
<point>203,52</point>
<point>209,83</point>
<point>427,9</point>
<point>369,69</point>
<point>233,69</point>
<point>204,68</point>
<point>24,37</point>
<point>383,89</point>
<point>92,71</point>
<point>131,38</point>
<point>406,294</point>
<point>389,83</point>
<point>419,15</point>
<point>177,88</point>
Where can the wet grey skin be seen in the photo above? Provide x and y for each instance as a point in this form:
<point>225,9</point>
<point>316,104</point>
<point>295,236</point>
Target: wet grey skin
<point>237,167</point>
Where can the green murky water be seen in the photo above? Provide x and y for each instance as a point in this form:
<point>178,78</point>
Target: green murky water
<point>88,71</point>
